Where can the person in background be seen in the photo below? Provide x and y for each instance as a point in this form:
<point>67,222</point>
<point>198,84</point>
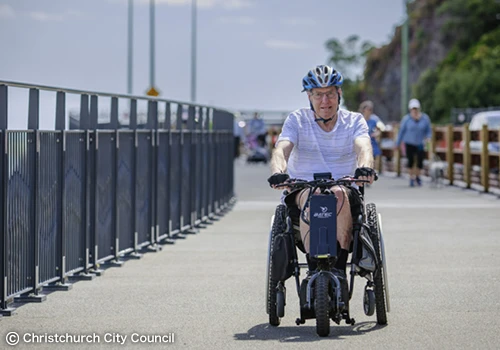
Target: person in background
<point>375,127</point>
<point>415,131</point>
<point>257,128</point>
<point>238,133</point>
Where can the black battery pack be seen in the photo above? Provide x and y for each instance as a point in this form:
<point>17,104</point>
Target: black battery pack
<point>323,226</point>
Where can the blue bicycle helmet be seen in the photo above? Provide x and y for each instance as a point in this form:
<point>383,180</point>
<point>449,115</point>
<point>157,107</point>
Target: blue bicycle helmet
<point>322,76</point>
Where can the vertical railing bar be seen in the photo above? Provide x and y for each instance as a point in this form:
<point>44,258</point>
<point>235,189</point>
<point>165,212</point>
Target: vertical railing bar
<point>3,195</point>
<point>116,214</point>
<point>4,111</point>
<point>34,208</point>
<point>178,126</point>
<point>153,186</point>
<point>95,234</point>
<point>191,152</point>
<point>3,213</point>
<point>94,112</point>
<point>86,211</point>
<point>168,126</point>
<point>84,112</point>
<point>33,109</point>
<point>114,113</point>
<point>62,206</point>
<point>60,110</point>
<point>133,114</point>
<point>134,191</point>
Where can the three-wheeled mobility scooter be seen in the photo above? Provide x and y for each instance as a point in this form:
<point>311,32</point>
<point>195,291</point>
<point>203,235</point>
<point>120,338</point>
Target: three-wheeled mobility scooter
<point>320,293</point>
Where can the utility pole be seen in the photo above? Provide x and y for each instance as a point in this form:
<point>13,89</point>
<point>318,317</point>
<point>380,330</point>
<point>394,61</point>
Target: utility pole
<point>404,61</point>
<point>152,90</point>
<point>130,45</point>
<point>193,52</point>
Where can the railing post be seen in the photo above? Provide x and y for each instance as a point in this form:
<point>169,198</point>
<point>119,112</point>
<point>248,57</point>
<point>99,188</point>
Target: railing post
<point>3,199</point>
<point>153,185</point>
<point>3,107</point>
<point>94,113</point>
<point>179,126</point>
<point>84,112</point>
<point>432,146</point>
<point>449,152</point>
<point>33,109</point>
<point>61,110</point>
<point>485,161</point>
<point>114,113</point>
<point>466,155</point>
<point>192,170</point>
<point>62,191</point>
<point>115,184</point>
<point>133,114</point>
<point>168,126</point>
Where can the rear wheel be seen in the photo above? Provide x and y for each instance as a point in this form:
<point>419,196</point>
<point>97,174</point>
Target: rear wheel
<point>278,226</point>
<point>322,305</point>
<point>378,276</point>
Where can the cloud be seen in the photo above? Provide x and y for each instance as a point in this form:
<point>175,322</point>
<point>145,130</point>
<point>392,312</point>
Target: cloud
<point>237,20</point>
<point>236,4</point>
<point>53,17</point>
<point>6,11</point>
<point>285,44</point>
<point>297,21</point>
<point>46,17</point>
<point>228,4</point>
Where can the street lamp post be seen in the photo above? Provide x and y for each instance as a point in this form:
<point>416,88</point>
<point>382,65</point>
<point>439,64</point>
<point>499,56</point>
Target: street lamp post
<point>193,52</point>
<point>130,45</point>
<point>152,43</point>
<point>404,61</point>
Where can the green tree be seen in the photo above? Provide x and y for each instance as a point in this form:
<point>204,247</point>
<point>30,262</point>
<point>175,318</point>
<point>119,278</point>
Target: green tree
<point>347,57</point>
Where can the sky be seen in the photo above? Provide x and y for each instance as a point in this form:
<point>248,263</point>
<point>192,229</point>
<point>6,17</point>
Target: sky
<point>251,54</point>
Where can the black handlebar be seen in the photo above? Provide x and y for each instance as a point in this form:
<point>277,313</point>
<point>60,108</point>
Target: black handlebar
<point>320,183</point>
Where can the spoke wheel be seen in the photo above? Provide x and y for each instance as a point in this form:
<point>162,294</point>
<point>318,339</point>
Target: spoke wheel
<point>278,226</point>
<point>378,275</point>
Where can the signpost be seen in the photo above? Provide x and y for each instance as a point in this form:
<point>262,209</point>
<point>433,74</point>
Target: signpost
<point>152,92</point>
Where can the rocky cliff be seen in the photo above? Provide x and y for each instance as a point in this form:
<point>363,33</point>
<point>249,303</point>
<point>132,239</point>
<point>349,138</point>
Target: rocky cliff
<point>428,46</point>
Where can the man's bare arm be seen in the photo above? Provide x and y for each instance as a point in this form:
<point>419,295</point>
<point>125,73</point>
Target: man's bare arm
<point>364,151</point>
<point>280,157</point>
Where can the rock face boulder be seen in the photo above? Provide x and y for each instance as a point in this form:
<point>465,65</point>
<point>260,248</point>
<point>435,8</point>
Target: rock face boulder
<point>428,46</point>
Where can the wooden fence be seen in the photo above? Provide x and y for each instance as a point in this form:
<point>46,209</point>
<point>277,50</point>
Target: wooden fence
<point>471,158</point>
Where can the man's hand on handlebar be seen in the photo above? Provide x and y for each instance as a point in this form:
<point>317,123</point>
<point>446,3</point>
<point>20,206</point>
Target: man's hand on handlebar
<point>365,173</point>
<point>277,178</point>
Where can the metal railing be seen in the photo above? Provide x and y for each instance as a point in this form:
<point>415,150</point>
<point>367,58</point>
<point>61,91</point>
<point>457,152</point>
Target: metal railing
<point>74,199</point>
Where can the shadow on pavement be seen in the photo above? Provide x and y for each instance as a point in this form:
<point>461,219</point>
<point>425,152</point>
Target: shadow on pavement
<point>265,331</point>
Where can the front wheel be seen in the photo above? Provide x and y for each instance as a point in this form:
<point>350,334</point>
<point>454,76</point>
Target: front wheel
<point>322,305</point>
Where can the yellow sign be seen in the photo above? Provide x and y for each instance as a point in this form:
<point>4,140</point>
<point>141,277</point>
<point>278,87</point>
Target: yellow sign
<point>152,92</point>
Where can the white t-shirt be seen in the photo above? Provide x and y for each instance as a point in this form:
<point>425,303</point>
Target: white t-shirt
<point>316,150</point>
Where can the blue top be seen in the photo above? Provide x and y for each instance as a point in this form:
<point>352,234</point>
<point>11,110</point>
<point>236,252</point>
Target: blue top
<point>372,127</point>
<point>257,126</point>
<point>414,132</point>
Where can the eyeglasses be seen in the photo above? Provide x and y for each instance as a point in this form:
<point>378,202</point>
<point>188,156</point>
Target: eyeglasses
<point>319,95</point>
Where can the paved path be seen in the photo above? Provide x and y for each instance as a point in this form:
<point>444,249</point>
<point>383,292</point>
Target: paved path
<point>209,289</point>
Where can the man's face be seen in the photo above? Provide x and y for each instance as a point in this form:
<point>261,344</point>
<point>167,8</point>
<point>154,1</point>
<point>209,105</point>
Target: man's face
<point>415,112</point>
<point>367,111</point>
<point>325,101</point>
